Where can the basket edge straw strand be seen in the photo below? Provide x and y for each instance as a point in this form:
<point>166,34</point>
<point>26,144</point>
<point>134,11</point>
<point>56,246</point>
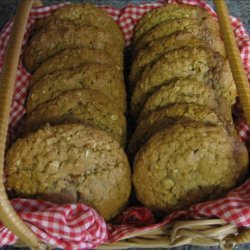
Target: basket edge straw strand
<point>7,82</point>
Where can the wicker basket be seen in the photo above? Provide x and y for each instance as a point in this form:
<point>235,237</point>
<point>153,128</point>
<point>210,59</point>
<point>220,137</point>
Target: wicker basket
<point>210,232</point>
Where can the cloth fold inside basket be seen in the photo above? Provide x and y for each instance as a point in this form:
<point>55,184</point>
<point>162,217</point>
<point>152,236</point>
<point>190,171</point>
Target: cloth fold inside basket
<point>75,226</point>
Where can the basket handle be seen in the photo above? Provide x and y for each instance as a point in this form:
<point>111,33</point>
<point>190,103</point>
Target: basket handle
<point>234,57</point>
<point>239,76</point>
<point>7,82</point>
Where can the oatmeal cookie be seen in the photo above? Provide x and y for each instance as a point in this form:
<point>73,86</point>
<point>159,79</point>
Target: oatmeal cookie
<point>185,90</point>
<point>71,58</point>
<point>70,163</point>
<point>203,64</point>
<point>84,14</point>
<point>84,106</point>
<point>185,164</point>
<point>160,46</point>
<point>103,78</point>
<point>150,124</point>
<point>206,29</point>
<point>168,12</point>
<point>49,42</point>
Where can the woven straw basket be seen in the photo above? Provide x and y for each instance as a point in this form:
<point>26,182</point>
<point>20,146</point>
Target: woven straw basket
<point>210,232</point>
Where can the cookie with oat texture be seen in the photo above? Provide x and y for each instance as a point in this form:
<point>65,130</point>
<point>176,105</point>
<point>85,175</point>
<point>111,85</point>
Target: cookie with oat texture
<point>101,77</point>
<point>188,163</point>
<point>70,163</point>
<point>203,64</point>
<point>167,12</point>
<point>158,47</point>
<point>149,124</point>
<point>71,58</point>
<point>84,14</point>
<point>81,106</point>
<point>206,29</point>
<point>49,42</point>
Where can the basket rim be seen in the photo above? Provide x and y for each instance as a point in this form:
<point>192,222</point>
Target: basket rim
<point>210,229</point>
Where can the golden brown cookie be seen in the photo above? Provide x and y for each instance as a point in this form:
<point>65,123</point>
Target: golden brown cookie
<point>70,164</point>
<point>184,90</point>
<point>49,42</point>
<point>206,29</point>
<point>168,12</point>
<point>84,14</point>
<point>185,164</point>
<point>160,118</point>
<point>71,58</point>
<point>201,63</point>
<point>223,82</point>
<point>83,106</point>
<point>106,79</point>
<point>160,46</point>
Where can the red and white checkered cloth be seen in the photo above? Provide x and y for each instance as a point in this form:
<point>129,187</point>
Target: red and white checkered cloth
<point>77,226</point>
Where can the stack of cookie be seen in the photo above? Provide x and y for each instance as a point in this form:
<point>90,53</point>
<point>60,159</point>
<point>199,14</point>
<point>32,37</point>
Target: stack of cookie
<point>185,147</point>
<point>75,57</point>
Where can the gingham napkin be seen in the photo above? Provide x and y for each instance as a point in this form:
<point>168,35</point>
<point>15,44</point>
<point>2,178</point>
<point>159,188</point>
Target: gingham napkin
<point>77,226</point>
